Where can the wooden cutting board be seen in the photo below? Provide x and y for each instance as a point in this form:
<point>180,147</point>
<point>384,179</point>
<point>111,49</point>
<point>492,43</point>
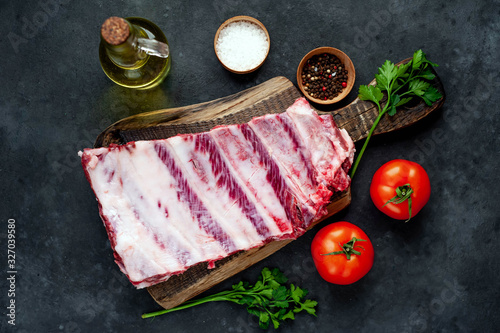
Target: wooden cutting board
<point>272,96</point>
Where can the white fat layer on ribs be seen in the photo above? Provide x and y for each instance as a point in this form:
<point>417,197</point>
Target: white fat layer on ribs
<point>149,240</point>
<point>290,152</point>
<point>134,242</point>
<point>246,166</point>
<point>263,128</point>
<point>198,171</point>
<point>169,217</point>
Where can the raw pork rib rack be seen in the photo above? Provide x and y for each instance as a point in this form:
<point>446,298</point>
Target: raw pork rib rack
<point>170,204</point>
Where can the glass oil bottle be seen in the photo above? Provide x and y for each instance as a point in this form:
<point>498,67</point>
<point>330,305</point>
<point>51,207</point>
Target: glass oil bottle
<point>134,52</point>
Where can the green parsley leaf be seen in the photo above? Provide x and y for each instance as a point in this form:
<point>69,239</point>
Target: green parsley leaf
<point>389,71</point>
<point>276,323</point>
<point>279,276</point>
<point>280,293</point>
<point>266,274</point>
<point>254,311</point>
<point>403,101</point>
<point>263,320</point>
<point>297,293</point>
<point>395,99</point>
<point>238,286</point>
<point>418,56</point>
<point>370,93</point>
<point>269,299</point>
<point>382,82</point>
<point>308,306</point>
<point>391,110</point>
<point>289,315</point>
<point>259,284</point>
<point>273,284</point>
<point>402,70</point>
<point>413,76</point>
<point>281,304</point>
<point>418,87</point>
<point>431,95</point>
<point>268,293</point>
<point>265,302</point>
<point>281,313</point>
<point>427,74</point>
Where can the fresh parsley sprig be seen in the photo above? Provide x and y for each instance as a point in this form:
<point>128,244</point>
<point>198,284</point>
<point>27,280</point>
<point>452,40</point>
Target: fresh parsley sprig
<point>401,84</point>
<point>269,299</point>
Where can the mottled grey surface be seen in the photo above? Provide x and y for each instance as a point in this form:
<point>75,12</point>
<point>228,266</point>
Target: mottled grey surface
<point>438,273</point>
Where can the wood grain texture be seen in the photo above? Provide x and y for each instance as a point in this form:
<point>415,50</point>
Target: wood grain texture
<point>272,96</point>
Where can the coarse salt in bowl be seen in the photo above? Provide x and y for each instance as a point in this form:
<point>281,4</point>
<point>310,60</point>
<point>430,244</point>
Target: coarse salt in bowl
<point>242,44</point>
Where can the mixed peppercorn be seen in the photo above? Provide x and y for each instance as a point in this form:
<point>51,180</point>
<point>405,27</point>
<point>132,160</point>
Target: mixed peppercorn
<point>324,76</point>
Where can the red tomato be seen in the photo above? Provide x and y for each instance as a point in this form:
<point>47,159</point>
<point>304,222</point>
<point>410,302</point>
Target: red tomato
<point>396,174</point>
<point>334,244</point>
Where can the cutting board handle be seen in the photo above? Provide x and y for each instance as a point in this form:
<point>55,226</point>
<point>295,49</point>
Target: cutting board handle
<point>358,117</point>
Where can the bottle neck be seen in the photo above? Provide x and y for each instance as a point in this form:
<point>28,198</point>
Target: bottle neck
<point>127,54</point>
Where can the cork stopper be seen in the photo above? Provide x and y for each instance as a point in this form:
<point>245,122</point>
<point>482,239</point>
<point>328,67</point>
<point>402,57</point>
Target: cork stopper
<point>115,30</point>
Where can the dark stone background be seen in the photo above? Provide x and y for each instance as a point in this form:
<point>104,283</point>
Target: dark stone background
<point>438,273</point>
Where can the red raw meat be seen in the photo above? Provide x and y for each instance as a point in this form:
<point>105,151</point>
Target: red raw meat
<point>170,204</point>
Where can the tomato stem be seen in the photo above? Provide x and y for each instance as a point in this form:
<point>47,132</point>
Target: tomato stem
<point>348,248</point>
<point>403,193</point>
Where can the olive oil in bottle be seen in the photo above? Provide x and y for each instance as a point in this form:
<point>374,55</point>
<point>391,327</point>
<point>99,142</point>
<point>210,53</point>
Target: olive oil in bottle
<point>134,52</point>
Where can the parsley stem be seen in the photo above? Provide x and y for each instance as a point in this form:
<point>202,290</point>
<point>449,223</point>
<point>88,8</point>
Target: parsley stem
<point>186,305</point>
<point>229,295</point>
<point>407,80</point>
<point>412,76</point>
<point>375,123</point>
<point>270,299</point>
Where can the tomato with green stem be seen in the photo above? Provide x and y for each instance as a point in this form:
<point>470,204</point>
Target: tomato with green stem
<point>342,253</point>
<point>400,189</point>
